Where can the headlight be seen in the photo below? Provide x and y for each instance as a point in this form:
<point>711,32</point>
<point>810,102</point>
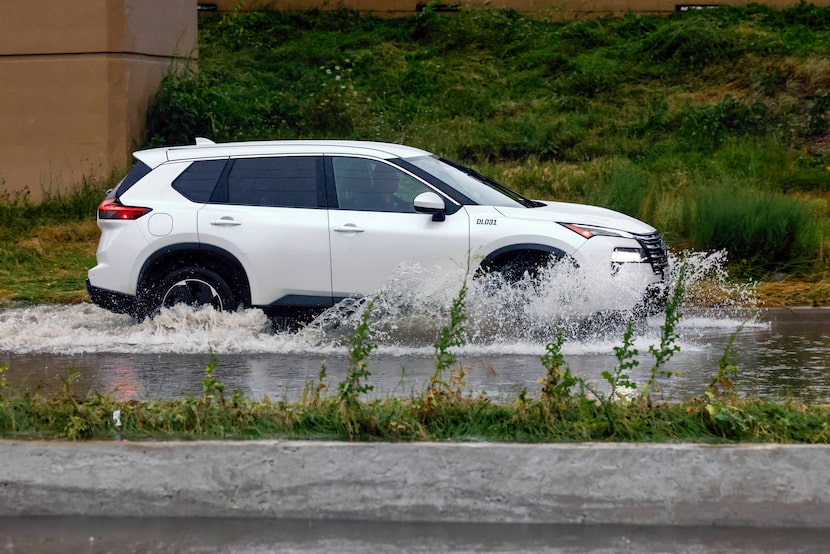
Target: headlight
<point>628,255</point>
<point>588,231</point>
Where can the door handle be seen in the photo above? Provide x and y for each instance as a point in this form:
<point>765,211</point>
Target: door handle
<point>225,222</point>
<point>348,228</point>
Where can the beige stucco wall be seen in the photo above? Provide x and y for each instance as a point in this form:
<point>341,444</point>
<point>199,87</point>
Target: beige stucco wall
<point>75,81</point>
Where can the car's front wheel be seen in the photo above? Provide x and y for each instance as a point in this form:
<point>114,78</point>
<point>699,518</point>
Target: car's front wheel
<point>192,286</point>
<point>521,265</point>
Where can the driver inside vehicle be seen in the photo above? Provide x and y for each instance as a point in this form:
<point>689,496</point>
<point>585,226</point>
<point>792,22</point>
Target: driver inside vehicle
<point>385,180</point>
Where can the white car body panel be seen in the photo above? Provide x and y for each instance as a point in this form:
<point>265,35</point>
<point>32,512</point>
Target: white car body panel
<point>110,273</point>
<point>491,231</point>
<point>565,212</point>
<point>367,247</point>
<point>285,251</point>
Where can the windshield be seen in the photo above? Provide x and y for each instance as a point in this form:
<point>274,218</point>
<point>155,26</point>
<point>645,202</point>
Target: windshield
<point>478,188</point>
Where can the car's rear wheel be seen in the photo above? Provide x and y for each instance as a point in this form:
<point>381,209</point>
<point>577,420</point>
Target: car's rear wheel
<point>192,286</point>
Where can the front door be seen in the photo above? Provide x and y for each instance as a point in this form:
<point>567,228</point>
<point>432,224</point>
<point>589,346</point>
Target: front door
<point>374,229</point>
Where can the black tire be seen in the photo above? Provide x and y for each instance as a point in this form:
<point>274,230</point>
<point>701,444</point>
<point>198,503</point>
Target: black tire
<point>523,264</point>
<point>193,286</point>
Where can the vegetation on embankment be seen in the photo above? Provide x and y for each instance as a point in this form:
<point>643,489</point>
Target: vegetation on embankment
<point>445,416</point>
<point>713,125</point>
<point>47,248</point>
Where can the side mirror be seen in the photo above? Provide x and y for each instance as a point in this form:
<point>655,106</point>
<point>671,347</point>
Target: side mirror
<point>431,203</point>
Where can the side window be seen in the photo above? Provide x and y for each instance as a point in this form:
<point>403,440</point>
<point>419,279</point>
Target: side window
<point>288,182</point>
<point>196,183</point>
<point>371,185</point>
<point>139,170</point>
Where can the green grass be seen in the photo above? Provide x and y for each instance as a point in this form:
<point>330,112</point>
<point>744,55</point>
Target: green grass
<point>46,248</point>
<point>48,263</point>
<point>406,419</point>
<point>19,216</point>
<point>647,115</point>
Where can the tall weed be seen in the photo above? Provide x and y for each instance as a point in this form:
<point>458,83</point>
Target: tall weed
<point>690,42</point>
<point>450,336</point>
<point>762,231</point>
<point>19,215</point>
<point>349,391</point>
<point>558,382</point>
<point>709,126</point>
<point>354,385</point>
<point>669,335</point>
<point>626,355</point>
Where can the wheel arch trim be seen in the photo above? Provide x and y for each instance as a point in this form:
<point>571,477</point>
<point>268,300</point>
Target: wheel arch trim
<point>494,258</point>
<point>211,257</point>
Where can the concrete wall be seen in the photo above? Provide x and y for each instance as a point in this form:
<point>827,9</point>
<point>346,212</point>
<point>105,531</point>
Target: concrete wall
<point>76,81</point>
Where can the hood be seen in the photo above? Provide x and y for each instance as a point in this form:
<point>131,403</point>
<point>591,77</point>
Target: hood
<point>565,212</point>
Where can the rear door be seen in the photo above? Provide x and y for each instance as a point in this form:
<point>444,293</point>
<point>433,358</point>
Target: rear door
<point>270,213</point>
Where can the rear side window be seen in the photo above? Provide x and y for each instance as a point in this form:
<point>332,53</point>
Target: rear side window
<point>196,183</point>
<point>289,182</point>
<point>139,170</point>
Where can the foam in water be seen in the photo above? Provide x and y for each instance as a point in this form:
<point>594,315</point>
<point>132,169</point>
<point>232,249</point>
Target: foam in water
<point>409,312</point>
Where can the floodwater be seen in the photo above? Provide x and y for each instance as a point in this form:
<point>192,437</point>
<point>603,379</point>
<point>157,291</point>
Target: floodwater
<point>778,353</point>
<point>238,536</point>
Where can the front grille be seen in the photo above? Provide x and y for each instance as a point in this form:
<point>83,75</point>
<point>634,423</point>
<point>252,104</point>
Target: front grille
<point>656,250</point>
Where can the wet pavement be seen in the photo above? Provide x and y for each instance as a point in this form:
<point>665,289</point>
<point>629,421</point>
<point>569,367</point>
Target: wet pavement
<point>207,536</point>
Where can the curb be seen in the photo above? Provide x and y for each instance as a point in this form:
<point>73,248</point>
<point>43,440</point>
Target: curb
<point>586,483</point>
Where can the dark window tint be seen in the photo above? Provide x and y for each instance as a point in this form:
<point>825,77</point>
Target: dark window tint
<point>374,186</point>
<point>139,170</point>
<point>197,182</point>
<point>289,182</point>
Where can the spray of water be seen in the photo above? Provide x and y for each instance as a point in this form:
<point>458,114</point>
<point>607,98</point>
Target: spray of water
<point>588,304</point>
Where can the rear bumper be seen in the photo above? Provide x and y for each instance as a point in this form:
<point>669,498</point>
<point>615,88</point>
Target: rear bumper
<point>111,300</point>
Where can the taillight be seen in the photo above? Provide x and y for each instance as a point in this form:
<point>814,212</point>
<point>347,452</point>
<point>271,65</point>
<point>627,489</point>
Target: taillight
<point>114,209</point>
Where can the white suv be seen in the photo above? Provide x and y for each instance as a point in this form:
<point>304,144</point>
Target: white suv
<point>286,225</point>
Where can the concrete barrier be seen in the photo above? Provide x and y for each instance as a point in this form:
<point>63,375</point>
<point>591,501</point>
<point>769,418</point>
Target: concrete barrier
<point>77,78</point>
<point>596,483</point>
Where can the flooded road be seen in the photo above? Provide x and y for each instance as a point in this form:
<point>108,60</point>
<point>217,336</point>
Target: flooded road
<point>778,353</point>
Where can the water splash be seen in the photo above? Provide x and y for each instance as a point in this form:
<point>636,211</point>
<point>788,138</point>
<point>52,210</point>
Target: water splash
<point>587,304</point>
<point>591,307</point>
